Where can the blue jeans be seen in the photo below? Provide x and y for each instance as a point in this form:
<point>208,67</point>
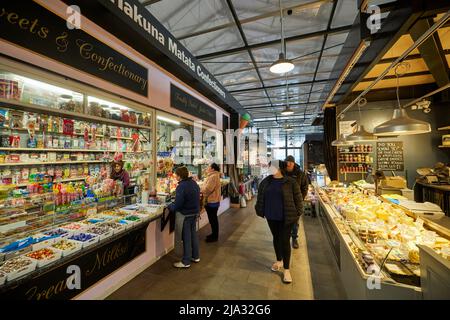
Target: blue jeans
<point>294,231</point>
<point>190,240</point>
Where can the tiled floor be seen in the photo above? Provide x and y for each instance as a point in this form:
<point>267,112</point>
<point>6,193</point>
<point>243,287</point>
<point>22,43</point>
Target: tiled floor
<point>238,266</point>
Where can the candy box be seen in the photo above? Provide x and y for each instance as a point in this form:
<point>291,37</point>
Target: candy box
<point>127,224</point>
<point>102,230</point>
<point>86,239</point>
<point>18,267</point>
<point>116,227</point>
<point>44,256</point>
<point>74,226</point>
<point>67,247</point>
<point>61,233</point>
<point>41,241</point>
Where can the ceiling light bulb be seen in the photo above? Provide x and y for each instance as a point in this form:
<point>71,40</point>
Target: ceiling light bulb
<point>287,111</point>
<point>282,65</point>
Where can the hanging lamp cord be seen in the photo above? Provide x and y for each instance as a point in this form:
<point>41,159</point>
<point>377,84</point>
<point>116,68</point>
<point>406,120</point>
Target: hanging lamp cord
<point>398,74</point>
<point>282,29</point>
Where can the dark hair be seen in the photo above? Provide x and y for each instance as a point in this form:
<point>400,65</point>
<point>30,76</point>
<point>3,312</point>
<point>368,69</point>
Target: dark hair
<point>182,172</point>
<point>215,167</point>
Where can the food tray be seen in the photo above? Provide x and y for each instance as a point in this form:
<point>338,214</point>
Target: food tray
<point>14,274</point>
<point>127,224</point>
<point>101,235</point>
<point>65,252</point>
<point>72,227</point>
<point>62,233</point>
<point>116,227</point>
<point>41,244</point>
<point>46,261</point>
<point>95,238</point>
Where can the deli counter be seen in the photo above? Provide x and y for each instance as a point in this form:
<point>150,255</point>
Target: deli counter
<point>381,250</point>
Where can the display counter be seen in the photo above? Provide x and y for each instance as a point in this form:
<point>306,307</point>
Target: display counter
<point>438,194</point>
<point>372,268</point>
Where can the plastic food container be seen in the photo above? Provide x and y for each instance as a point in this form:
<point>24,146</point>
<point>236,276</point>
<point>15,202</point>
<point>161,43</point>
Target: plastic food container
<point>18,267</point>
<point>41,244</point>
<point>67,247</point>
<point>74,227</point>
<point>86,239</point>
<point>102,230</point>
<point>61,233</point>
<point>116,227</point>
<point>44,256</point>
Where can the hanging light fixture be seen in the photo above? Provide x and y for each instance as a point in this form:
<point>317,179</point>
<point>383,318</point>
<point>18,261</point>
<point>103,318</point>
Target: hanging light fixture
<point>361,134</point>
<point>287,111</point>
<point>288,128</point>
<point>401,124</point>
<point>341,141</point>
<point>282,65</point>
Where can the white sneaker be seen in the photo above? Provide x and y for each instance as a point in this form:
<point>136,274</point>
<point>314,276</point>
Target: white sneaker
<point>287,278</point>
<point>196,260</point>
<point>181,265</point>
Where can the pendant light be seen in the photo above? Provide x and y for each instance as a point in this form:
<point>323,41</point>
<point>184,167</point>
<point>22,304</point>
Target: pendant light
<point>287,111</point>
<point>288,128</point>
<point>401,124</point>
<point>341,141</point>
<point>361,134</point>
<point>282,65</point>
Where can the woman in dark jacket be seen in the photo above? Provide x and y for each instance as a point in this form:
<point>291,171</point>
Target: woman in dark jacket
<point>280,202</point>
<point>187,203</point>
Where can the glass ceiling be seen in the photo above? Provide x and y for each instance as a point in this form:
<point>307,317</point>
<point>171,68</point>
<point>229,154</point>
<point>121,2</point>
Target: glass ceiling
<point>207,28</point>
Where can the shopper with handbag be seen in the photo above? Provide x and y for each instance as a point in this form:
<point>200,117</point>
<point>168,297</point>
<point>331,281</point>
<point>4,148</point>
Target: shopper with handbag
<point>211,191</point>
<point>280,202</point>
<point>187,210</point>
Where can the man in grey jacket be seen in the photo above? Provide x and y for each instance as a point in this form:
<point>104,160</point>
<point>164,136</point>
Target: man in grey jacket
<point>293,170</point>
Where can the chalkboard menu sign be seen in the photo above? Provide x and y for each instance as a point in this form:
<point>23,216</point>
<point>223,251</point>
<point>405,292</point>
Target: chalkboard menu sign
<point>390,156</point>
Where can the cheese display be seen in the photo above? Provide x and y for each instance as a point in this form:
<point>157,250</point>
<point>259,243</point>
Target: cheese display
<point>386,231</point>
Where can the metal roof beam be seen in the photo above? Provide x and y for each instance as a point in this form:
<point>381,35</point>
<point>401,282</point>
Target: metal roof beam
<point>273,42</point>
<point>432,52</point>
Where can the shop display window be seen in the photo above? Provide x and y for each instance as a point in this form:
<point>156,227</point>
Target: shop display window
<point>57,168</point>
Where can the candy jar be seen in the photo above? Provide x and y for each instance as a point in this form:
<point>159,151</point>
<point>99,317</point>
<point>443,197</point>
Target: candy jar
<point>125,116</point>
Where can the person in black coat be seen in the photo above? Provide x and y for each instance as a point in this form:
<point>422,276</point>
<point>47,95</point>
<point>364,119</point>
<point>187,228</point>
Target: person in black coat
<point>293,170</point>
<point>280,201</point>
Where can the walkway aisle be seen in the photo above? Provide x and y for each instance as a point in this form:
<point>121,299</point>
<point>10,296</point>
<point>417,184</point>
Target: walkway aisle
<point>236,267</point>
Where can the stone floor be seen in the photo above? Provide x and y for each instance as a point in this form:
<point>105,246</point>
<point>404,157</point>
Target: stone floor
<point>238,266</point>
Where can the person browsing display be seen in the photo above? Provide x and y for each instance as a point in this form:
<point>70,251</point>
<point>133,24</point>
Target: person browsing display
<point>187,210</point>
<point>211,190</point>
<point>280,203</point>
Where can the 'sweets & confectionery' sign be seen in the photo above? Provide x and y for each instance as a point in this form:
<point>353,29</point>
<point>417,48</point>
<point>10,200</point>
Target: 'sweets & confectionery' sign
<point>29,25</point>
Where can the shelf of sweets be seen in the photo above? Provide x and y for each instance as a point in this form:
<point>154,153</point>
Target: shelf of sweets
<point>70,150</point>
<point>33,108</point>
<point>78,134</point>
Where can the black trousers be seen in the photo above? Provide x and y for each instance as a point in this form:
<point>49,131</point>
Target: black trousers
<point>213,220</point>
<point>281,233</point>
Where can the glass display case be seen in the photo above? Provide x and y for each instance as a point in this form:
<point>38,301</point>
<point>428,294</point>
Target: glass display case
<point>56,152</point>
